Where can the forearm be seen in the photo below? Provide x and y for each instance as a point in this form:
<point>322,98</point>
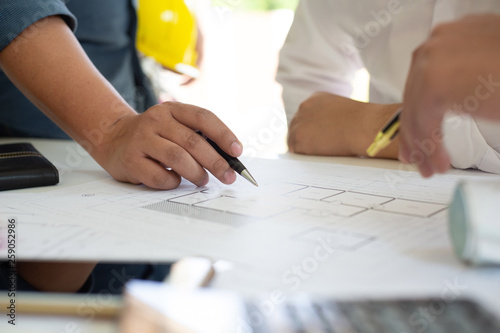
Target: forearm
<point>328,124</point>
<point>372,118</point>
<point>52,70</point>
<point>156,148</point>
<point>55,276</point>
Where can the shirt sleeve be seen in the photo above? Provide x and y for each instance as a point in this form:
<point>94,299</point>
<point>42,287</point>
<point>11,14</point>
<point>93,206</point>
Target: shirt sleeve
<point>472,143</point>
<point>317,55</point>
<point>17,15</point>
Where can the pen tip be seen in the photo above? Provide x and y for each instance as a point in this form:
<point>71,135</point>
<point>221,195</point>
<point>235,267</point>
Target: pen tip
<point>249,177</point>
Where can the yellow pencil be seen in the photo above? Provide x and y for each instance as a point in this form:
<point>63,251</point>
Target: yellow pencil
<point>386,135</point>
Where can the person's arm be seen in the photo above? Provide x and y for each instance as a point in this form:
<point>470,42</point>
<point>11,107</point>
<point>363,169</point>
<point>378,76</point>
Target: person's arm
<point>55,276</point>
<point>49,66</point>
<point>327,124</point>
<point>457,69</point>
<point>317,65</point>
<point>318,55</point>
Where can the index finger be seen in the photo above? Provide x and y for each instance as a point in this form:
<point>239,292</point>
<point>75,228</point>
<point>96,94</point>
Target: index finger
<point>201,119</point>
<point>421,139</point>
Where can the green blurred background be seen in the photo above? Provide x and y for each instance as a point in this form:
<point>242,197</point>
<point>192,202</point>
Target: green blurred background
<point>260,5</point>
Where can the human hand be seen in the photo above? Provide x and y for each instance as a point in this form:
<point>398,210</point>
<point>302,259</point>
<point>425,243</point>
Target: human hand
<point>457,69</point>
<point>132,148</point>
<point>140,148</point>
<point>328,124</point>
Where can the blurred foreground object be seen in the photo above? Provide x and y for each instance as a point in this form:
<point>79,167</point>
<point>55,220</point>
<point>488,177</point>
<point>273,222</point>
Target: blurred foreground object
<point>172,306</point>
<point>158,307</point>
<point>474,222</point>
<point>155,307</point>
<point>167,31</point>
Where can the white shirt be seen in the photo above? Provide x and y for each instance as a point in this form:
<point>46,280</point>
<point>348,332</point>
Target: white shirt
<point>331,39</point>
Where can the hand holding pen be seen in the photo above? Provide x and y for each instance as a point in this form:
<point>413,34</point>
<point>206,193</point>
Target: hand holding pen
<point>160,146</point>
<point>234,163</point>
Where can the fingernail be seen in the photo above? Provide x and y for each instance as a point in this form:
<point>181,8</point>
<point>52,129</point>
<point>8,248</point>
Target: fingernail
<point>229,177</point>
<point>426,170</point>
<point>205,181</point>
<point>236,148</point>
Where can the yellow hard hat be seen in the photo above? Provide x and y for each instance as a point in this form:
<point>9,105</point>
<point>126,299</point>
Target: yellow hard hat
<point>167,32</point>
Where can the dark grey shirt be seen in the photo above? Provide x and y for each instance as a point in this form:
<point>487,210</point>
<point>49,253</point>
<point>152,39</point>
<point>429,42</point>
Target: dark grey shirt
<point>106,30</point>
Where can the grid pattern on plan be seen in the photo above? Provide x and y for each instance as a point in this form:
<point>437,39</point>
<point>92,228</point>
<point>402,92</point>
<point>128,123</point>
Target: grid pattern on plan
<point>226,208</point>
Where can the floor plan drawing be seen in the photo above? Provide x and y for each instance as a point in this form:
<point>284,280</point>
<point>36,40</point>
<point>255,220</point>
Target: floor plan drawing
<point>334,220</point>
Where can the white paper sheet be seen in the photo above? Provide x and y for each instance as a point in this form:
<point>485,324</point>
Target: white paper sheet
<point>313,227</point>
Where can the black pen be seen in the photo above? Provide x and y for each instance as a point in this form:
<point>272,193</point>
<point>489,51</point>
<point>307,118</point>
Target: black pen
<point>234,163</point>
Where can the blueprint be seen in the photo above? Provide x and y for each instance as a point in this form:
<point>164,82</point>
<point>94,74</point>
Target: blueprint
<point>308,226</point>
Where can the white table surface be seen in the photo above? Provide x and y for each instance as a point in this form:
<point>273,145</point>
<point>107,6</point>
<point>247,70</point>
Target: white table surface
<point>76,167</point>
